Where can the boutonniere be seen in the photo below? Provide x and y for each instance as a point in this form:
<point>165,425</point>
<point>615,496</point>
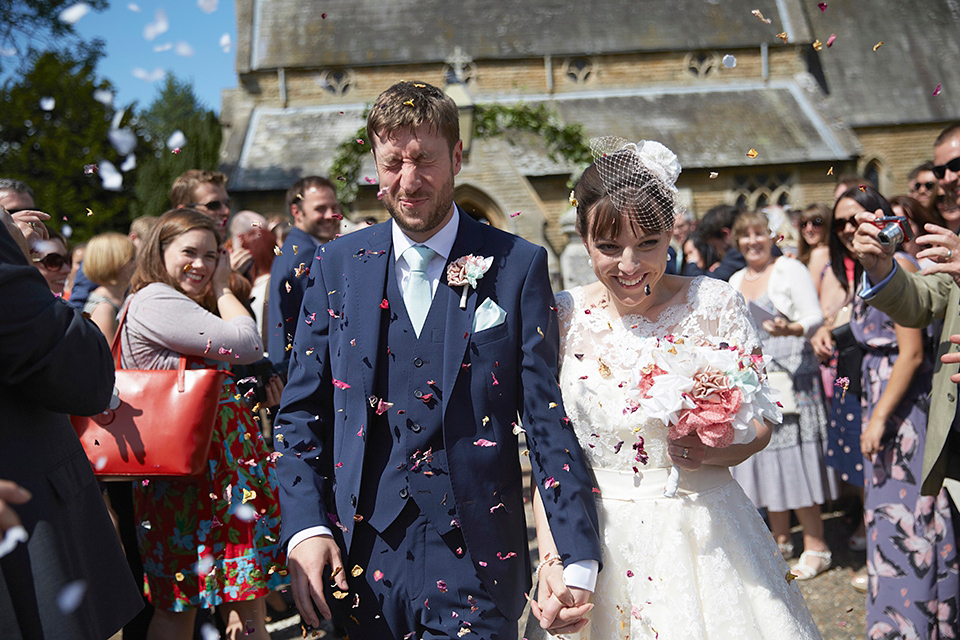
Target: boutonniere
<point>465,272</point>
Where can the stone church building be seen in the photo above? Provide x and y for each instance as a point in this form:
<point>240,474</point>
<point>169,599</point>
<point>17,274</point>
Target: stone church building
<point>851,87</point>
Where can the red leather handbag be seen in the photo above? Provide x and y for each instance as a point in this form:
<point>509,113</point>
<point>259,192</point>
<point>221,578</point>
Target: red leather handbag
<point>159,423</point>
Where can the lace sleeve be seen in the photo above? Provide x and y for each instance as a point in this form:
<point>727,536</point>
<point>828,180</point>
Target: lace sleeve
<point>564,303</point>
<point>720,314</point>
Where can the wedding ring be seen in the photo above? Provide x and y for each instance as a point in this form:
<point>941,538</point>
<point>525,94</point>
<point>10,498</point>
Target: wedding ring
<point>686,450</point>
<point>949,253</point>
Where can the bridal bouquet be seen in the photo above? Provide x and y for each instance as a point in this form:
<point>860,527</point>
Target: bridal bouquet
<point>718,392</point>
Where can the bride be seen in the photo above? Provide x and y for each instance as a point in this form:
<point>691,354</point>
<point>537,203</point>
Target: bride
<point>700,564</point>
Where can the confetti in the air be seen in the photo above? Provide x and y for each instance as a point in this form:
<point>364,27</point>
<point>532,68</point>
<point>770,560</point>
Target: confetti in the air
<point>729,61</point>
<point>149,76</point>
<point>759,15</point>
<point>209,632</point>
<point>160,48</point>
<point>817,45</point>
<point>73,13</point>
<point>713,175</point>
<point>111,179</point>
<point>752,153</point>
<point>176,139</point>
<point>225,42</point>
<point>878,45</point>
<point>134,7</point>
<point>823,6</point>
<point>104,97</point>
<point>830,40</point>
<point>936,91</point>
<point>783,36</point>
<point>830,171</point>
<point>159,25</point>
<point>47,103</point>
<point>71,595</point>
<point>89,169</point>
<point>207,6</point>
<point>183,49</point>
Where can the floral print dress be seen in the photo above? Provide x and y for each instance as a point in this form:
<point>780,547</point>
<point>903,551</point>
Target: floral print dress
<point>912,568</point>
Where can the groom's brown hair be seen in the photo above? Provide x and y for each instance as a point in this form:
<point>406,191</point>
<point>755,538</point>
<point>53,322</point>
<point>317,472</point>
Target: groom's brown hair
<point>409,105</point>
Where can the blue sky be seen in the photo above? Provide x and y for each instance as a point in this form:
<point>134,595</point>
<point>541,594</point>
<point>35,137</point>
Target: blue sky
<point>190,47</point>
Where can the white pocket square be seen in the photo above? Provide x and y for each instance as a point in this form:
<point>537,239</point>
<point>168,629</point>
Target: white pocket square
<point>488,315</point>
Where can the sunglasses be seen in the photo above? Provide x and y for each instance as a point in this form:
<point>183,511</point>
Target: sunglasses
<point>213,205</point>
<point>816,222</point>
<point>925,185</point>
<point>940,170</point>
<point>53,261</point>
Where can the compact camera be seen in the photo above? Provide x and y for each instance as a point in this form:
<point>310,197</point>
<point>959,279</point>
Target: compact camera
<point>894,230</point>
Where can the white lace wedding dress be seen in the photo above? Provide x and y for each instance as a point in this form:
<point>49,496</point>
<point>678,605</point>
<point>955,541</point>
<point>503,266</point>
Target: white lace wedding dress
<point>701,565</point>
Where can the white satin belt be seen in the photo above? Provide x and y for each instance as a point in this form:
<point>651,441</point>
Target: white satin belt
<point>648,484</point>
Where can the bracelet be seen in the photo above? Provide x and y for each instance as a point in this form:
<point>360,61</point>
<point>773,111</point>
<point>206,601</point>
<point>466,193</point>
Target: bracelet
<point>547,561</point>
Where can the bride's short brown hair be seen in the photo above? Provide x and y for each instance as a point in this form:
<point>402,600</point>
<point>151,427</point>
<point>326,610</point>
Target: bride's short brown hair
<point>648,205</point>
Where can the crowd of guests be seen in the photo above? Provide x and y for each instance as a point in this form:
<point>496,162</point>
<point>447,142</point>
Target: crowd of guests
<point>855,382</point>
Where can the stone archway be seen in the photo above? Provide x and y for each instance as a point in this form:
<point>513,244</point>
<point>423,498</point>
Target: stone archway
<point>480,206</point>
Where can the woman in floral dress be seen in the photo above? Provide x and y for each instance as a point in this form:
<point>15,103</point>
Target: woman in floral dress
<point>208,540</point>
<point>912,579</point>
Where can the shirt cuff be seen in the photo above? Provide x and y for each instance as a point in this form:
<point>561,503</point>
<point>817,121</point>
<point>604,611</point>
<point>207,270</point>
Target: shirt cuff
<point>867,291</point>
<point>582,574</point>
<point>310,532</point>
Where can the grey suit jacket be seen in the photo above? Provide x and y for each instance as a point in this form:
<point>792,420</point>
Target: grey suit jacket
<point>53,362</point>
<point>915,301</point>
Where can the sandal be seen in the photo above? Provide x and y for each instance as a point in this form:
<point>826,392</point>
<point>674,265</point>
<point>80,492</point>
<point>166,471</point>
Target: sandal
<point>802,569</point>
<point>786,549</point>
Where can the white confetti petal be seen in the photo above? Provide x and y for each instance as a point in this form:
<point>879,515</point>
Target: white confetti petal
<point>74,12</point>
<point>225,42</point>
<point>729,61</point>
<point>66,230</point>
<point>160,48</point>
<point>123,140</point>
<point>176,139</point>
<point>134,7</point>
<point>149,76</point>
<point>13,536</point>
<point>245,512</point>
<point>129,163</point>
<point>183,49</point>
<point>100,463</point>
<point>47,103</point>
<point>159,25</point>
<point>8,52</point>
<point>104,97</point>
<point>112,179</point>
<point>209,632</point>
<point>71,596</point>
<point>207,6</point>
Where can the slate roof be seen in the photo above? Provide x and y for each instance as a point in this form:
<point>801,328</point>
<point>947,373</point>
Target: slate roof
<point>895,83</point>
<point>708,126</point>
<point>292,33</point>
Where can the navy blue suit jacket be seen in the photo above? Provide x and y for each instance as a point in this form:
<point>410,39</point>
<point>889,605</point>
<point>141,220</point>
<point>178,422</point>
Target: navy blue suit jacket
<point>325,409</point>
<point>283,305</point>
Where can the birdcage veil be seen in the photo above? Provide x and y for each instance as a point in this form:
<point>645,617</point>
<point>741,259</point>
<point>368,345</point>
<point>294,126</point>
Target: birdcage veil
<point>639,178</point>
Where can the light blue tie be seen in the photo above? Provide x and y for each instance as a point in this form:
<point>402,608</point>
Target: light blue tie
<point>418,294</point>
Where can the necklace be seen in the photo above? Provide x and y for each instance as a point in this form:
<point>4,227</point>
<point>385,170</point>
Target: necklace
<point>758,275</point>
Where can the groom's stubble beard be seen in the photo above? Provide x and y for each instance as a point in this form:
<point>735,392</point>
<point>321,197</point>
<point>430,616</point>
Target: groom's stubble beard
<point>443,201</point>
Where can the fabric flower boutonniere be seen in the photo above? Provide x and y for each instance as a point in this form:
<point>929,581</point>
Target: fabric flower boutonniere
<point>466,272</point>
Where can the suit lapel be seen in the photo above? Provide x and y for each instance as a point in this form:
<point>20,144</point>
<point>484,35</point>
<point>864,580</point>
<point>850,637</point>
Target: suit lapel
<point>459,322</point>
<point>372,269</point>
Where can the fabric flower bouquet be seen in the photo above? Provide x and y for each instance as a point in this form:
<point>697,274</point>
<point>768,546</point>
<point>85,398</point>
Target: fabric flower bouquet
<point>718,392</point>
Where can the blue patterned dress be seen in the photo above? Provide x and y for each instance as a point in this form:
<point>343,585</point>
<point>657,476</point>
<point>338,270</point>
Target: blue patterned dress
<point>912,567</point>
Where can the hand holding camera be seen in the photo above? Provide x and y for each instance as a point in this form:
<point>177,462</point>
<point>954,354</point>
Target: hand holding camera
<point>943,248</point>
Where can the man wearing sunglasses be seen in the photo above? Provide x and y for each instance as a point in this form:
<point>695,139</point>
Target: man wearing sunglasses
<point>916,300</point>
<point>205,191</point>
<point>922,184</point>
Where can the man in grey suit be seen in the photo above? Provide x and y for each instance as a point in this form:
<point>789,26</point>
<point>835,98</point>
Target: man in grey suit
<point>69,579</point>
<point>916,300</point>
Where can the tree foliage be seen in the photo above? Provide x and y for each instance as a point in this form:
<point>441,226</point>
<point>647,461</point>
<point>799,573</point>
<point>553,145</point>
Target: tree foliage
<point>176,108</point>
<point>47,144</point>
<point>29,25</point>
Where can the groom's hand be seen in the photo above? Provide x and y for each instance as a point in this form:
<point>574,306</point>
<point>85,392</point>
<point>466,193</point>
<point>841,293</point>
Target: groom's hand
<point>559,608</point>
<point>306,563</point>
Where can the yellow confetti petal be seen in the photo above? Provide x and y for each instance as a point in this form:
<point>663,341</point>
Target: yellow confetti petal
<point>540,331</point>
<point>817,45</point>
<point>757,13</point>
<point>248,495</point>
<point>276,250</point>
<point>357,571</point>
<point>783,36</point>
<point>573,201</point>
<point>830,171</point>
<point>340,595</point>
<point>752,153</point>
<point>878,45</point>
<point>336,572</point>
<point>310,351</point>
<point>279,437</point>
<point>552,405</point>
<point>295,247</point>
<point>485,420</point>
<point>179,576</point>
<point>409,103</point>
<point>89,212</point>
<point>790,576</point>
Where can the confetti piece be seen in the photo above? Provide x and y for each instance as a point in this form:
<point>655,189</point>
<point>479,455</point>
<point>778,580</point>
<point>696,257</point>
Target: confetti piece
<point>817,45</point>
<point>483,442</point>
<point>878,45</point>
<point>790,577</point>
<point>752,153</point>
<point>179,576</point>
<point>47,103</point>
<point>89,212</point>
<point>823,6</point>
<point>550,483</point>
<point>73,13</point>
<point>783,36</point>
<point>936,91</point>
<point>384,304</point>
<point>357,571</point>
<point>830,171</point>
<point>507,556</point>
<point>381,193</point>
<point>713,175</point>
<point>863,188</point>
<point>225,43</point>
<point>377,575</point>
<point>248,495</point>
<point>573,200</point>
<point>514,215</point>
<point>729,61</point>
<point>629,573</point>
<point>176,151</point>
<point>340,595</point>
<point>759,15</point>
<point>442,586</point>
<point>409,103</point>
<point>340,384</point>
<point>830,40</point>
<point>207,6</point>
<point>71,595</point>
<point>159,25</point>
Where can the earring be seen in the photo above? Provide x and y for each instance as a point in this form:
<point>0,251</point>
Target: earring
<point>590,262</point>
<point>646,289</point>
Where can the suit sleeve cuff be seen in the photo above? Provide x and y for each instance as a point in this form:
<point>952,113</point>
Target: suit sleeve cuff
<point>581,574</point>
<point>867,291</point>
<point>310,532</point>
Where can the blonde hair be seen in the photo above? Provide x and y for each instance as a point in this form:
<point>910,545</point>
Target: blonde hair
<point>106,254</point>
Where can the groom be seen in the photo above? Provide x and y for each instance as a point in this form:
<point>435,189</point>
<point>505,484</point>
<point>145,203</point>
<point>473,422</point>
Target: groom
<point>399,425</point>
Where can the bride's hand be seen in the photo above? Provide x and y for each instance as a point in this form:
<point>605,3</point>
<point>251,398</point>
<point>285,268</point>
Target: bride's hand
<point>559,608</point>
<point>695,451</point>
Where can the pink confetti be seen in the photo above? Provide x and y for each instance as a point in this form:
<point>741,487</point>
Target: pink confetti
<point>483,442</point>
<point>209,344</point>
<point>359,140</point>
<point>224,352</point>
<point>176,150</point>
<point>381,193</point>
<point>442,586</point>
<point>377,575</point>
<point>495,381</point>
<point>369,180</point>
<point>514,215</point>
<point>509,555</point>
<point>340,384</point>
<point>384,304</point>
<point>550,483</point>
<point>830,40</point>
<point>936,91</point>
<point>497,506</point>
<point>823,6</point>
<point>629,573</point>
<point>482,563</point>
<point>382,407</point>
<point>90,169</point>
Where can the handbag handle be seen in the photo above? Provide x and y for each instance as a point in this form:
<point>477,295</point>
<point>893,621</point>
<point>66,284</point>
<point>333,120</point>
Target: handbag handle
<point>115,351</point>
